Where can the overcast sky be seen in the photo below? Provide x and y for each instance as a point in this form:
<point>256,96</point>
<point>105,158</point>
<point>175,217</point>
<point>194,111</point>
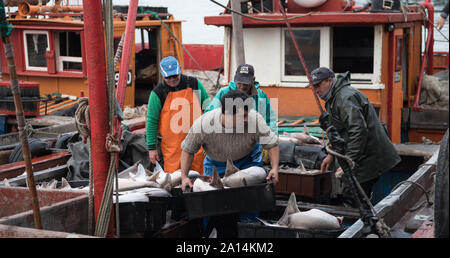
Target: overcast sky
<point>192,12</point>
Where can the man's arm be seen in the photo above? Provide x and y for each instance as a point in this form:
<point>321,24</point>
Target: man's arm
<point>272,118</point>
<point>352,113</point>
<point>153,114</point>
<point>274,155</point>
<point>185,163</point>
<point>205,101</point>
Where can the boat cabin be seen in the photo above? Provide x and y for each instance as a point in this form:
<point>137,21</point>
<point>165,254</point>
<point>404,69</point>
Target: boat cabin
<point>381,47</point>
<point>50,48</point>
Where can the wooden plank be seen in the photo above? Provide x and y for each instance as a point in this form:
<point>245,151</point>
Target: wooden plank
<point>238,34</point>
<point>8,231</point>
<point>40,163</point>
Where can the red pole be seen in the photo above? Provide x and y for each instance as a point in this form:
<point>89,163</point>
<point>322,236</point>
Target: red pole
<point>95,57</point>
<point>126,54</point>
<point>125,61</point>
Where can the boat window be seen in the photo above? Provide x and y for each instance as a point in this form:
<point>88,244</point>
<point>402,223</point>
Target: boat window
<point>311,51</point>
<point>314,46</point>
<point>353,50</point>
<point>68,49</point>
<point>36,45</point>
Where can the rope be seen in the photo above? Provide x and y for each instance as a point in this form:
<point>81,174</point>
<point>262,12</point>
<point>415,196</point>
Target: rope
<point>82,124</point>
<point>82,121</point>
<point>350,162</point>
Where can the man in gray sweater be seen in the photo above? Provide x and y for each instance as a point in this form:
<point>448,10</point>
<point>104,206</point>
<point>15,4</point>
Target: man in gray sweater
<point>230,131</point>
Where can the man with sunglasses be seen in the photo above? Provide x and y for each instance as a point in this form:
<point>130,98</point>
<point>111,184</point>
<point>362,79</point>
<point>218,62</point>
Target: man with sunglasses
<point>355,119</point>
<point>173,106</point>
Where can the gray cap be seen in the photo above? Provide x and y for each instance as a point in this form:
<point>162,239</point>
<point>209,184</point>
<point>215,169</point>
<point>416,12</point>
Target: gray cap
<point>320,74</point>
<point>244,74</point>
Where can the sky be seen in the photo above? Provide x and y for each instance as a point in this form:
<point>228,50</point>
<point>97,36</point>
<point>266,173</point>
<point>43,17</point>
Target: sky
<point>192,12</point>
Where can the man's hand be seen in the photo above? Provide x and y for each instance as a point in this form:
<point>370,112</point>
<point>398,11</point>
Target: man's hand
<point>440,23</point>
<point>274,175</point>
<point>153,154</point>
<point>185,181</point>
<point>327,161</point>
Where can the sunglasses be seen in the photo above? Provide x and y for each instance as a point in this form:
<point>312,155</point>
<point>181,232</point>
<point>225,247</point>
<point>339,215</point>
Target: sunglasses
<point>172,77</point>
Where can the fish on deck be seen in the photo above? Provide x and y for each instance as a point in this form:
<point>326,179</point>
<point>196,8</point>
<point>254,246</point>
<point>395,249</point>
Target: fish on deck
<point>311,219</point>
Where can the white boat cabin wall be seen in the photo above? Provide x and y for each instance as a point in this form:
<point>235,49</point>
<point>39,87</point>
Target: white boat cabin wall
<point>271,51</point>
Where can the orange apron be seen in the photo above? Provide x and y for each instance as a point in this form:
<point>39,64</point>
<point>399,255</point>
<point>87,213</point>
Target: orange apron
<point>176,118</point>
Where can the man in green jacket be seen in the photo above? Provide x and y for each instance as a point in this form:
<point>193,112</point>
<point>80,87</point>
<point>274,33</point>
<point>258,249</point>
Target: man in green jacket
<point>355,119</point>
<point>244,80</point>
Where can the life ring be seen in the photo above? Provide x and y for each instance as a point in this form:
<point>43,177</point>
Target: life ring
<point>310,3</point>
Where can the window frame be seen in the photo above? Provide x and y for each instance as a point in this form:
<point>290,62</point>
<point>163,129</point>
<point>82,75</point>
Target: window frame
<point>25,45</point>
<point>324,58</point>
<point>373,78</point>
<point>61,59</point>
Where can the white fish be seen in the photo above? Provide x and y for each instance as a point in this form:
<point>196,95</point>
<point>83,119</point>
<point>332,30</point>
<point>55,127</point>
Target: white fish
<point>141,195</point>
<point>236,178</point>
<point>161,177</point>
<point>129,184</point>
<point>175,177</point>
<point>207,183</point>
<point>6,183</point>
<point>312,219</point>
<point>65,184</point>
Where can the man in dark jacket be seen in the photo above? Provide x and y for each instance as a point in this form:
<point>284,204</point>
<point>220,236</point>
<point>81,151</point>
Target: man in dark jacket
<point>355,119</point>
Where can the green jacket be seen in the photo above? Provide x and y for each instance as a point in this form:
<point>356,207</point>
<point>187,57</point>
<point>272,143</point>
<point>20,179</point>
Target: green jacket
<point>262,103</point>
<point>367,143</point>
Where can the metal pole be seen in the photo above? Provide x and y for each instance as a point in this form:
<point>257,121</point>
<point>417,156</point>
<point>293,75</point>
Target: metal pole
<point>95,57</point>
<point>20,118</point>
<point>125,61</point>
<point>238,35</point>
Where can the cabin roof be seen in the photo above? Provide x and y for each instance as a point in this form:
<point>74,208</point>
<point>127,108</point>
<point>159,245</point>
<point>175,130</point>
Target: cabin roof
<point>319,19</point>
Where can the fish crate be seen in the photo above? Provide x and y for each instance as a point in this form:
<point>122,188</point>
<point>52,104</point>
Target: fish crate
<point>143,217</point>
<point>259,230</point>
<point>258,197</point>
<point>314,185</point>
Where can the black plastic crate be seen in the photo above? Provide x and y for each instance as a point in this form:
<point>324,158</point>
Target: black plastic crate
<point>259,197</point>
<point>143,217</point>
<point>259,230</point>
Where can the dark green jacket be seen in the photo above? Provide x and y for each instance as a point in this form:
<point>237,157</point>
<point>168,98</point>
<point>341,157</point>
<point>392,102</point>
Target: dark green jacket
<point>367,143</point>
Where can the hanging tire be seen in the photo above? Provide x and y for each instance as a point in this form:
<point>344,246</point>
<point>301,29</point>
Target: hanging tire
<point>37,148</point>
<point>441,206</point>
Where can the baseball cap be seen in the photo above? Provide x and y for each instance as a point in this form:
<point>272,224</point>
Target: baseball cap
<point>169,66</point>
<point>244,74</point>
<point>320,74</point>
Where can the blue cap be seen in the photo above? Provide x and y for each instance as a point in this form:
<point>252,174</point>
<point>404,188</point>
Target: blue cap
<point>169,66</point>
<point>320,74</point>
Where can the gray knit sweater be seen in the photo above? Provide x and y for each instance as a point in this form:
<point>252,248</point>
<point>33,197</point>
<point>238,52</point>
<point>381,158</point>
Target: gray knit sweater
<point>221,143</point>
